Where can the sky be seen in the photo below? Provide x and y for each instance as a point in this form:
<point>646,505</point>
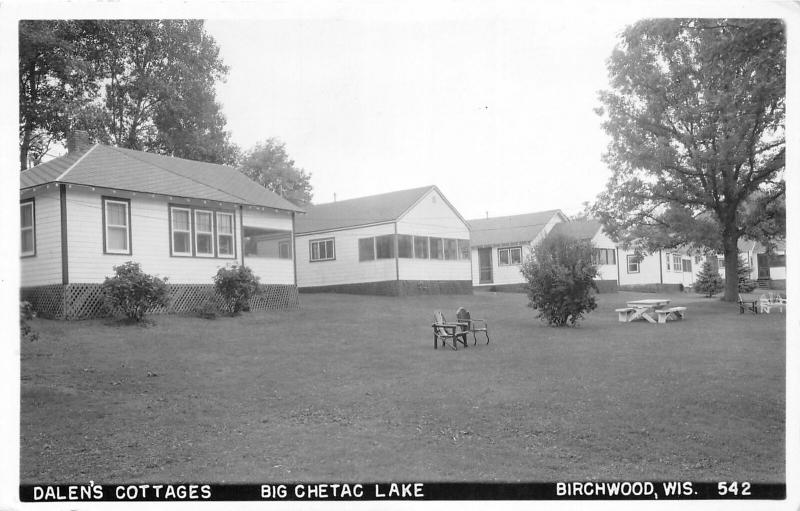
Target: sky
<point>495,109</point>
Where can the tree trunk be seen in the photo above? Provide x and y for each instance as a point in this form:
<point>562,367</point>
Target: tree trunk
<point>731,248</point>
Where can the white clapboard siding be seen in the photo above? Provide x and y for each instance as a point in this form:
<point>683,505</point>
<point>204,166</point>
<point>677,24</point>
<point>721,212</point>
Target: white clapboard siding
<point>432,216</point>
<point>605,271</point>
<point>45,267</point>
<point>150,240</point>
<point>267,219</point>
<point>271,270</point>
<point>345,268</point>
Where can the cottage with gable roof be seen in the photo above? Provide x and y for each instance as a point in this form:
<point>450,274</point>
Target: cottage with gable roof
<point>501,244</point>
<point>398,243</point>
<point>99,206</point>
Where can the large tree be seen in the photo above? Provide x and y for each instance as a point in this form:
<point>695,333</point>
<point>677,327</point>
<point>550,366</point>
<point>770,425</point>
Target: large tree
<point>153,86</point>
<point>269,165</point>
<point>696,115</point>
<point>55,79</point>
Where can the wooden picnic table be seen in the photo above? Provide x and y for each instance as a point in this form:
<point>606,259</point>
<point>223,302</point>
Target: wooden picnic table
<point>644,309</point>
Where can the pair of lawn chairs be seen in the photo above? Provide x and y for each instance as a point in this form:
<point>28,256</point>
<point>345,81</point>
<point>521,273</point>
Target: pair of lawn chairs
<point>763,305</point>
<point>457,332</point>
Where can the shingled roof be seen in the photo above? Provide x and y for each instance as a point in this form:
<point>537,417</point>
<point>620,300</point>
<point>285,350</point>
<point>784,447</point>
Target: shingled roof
<point>374,209</point>
<point>137,171</point>
<point>509,229</point>
<point>580,229</point>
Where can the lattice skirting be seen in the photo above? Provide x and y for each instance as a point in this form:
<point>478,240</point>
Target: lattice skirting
<point>84,301</point>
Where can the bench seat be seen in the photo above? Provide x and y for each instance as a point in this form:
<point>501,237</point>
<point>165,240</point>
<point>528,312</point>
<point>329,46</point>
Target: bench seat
<point>625,314</point>
<point>670,313</point>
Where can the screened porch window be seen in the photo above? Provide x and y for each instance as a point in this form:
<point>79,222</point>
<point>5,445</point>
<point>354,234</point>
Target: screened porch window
<point>322,250</point>
<point>116,218</point>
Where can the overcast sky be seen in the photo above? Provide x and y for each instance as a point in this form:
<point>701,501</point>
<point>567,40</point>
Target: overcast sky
<point>493,104</point>
<point>496,111</point>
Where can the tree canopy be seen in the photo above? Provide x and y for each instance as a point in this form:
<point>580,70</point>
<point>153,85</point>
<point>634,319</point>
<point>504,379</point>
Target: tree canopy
<point>269,165</point>
<point>696,113</point>
<point>140,84</point>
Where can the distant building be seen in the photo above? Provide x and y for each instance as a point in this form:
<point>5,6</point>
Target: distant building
<point>398,243</point>
<point>501,244</point>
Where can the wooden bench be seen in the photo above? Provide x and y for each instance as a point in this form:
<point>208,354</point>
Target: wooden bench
<point>672,313</point>
<point>625,314</point>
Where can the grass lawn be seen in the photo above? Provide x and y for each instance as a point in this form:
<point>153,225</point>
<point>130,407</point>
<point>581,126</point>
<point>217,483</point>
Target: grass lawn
<point>349,388</point>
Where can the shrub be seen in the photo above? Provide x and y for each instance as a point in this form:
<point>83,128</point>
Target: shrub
<point>237,285</point>
<point>131,292</point>
<point>560,279</point>
<point>746,284</point>
<point>26,313</point>
<point>708,281</point>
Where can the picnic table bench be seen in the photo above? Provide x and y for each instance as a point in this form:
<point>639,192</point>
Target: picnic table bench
<point>641,309</point>
<point>673,313</point>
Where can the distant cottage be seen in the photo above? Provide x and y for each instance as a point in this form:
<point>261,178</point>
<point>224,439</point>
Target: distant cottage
<point>399,243</point>
<point>100,206</point>
<point>501,244</point>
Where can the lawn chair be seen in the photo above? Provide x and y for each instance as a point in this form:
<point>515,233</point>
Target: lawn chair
<point>472,325</point>
<point>444,331</point>
<point>751,305</point>
<point>765,304</point>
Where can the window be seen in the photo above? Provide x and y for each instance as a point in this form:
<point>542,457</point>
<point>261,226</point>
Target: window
<point>225,235</point>
<point>509,256</point>
<point>669,262</point>
<point>633,264</point>
<point>284,250</point>
<point>181,231</point>
<point>450,249</point>
<point>676,262</point>
<point>405,246</point>
<point>27,227</point>
<point>777,260</point>
<point>366,249</point>
<point>384,246</point>
<point>437,248</point>
<point>204,233</point>
<point>322,250</point>
<point>463,249</point>
<point>604,256</point>
<point>687,265</point>
<point>116,219</point>
<point>421,247</point>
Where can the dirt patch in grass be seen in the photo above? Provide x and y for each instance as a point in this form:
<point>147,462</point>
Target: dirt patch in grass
<point>349,388</point>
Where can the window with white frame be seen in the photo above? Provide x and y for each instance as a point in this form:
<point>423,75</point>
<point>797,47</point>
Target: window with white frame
<point>508,256</point>
<point>225,235</point>
<point>676,263</point>
<point>204,233</point>
<point>405,246</point>
<point>181,227</point>
<point>322,250</point>
<point>669,262</point>
<point>117,232</point>
<point>463,249</point>
<point>633,264</point>
<point>27,216</point>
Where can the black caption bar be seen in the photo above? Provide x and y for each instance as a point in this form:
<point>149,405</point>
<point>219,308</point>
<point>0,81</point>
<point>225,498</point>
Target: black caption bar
<point>574,490</point>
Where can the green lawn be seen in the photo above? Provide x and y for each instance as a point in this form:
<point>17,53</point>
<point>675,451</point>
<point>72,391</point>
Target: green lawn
<point>349,388</point>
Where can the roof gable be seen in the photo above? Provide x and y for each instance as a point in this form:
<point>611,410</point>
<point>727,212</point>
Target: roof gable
<point>125,169</point>
<point>373,209</point>
<point>510,229</point>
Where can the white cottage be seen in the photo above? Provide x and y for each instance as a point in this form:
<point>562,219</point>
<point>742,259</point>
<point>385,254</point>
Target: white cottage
<point>663,270</point>
<point>605,251</point>
<point>399,243</point>
<point>501,244</point>
<point>100,206</point>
